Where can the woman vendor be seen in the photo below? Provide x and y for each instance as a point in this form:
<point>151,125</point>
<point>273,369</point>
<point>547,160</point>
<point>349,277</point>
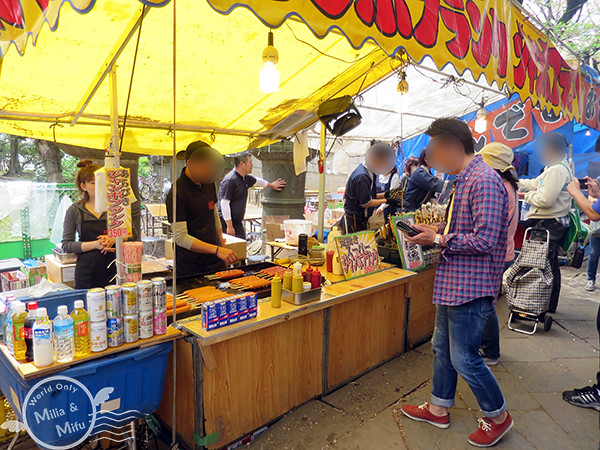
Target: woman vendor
<point>85,234</point>
<point>422,186</point>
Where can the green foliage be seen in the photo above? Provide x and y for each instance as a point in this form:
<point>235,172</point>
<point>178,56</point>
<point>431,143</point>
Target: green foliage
<point>69,167</point>
<point>144,168</point>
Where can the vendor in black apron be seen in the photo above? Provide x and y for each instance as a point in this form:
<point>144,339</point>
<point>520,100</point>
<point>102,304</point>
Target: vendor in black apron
<point>199,243</point>
<point>361,197</point>
<point>95,265</point>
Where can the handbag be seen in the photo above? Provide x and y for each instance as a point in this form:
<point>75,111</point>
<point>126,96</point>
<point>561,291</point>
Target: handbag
<point>578,231</point>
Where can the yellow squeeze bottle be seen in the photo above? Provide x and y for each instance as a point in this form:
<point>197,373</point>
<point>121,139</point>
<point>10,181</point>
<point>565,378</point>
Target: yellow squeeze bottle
<point>276,292</point>
<point>18,319</point>
<point>81,324</point>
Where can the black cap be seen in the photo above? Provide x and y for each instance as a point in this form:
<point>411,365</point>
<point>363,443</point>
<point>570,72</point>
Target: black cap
<point>197,149</point>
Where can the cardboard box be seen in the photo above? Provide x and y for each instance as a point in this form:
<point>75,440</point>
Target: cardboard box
<point>59,273</point>
<point>35,271</point>
<point>272,225</point>
<point>11,281</point>
<point>236,244</point>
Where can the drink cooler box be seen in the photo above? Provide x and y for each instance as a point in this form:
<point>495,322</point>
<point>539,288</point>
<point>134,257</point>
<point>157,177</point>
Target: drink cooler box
<point>137,377</point>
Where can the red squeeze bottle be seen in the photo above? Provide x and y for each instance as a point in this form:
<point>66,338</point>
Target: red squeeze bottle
<point>315,281</point>
<point>330,254</point>
<point>308,274</point>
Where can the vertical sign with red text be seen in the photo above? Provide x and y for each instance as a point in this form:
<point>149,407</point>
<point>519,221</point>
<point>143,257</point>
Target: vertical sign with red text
<point>118,202</point>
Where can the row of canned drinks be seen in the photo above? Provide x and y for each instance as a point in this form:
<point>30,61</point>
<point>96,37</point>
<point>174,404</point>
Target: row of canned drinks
<point>126,300</point>
<point>229,310</point>
<point>130,328</point>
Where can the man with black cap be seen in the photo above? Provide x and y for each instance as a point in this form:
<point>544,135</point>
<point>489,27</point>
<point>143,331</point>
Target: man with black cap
<point>361,197</point>
<point>199,243</point>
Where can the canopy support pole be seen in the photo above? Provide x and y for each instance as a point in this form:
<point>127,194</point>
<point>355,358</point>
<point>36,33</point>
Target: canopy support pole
<point>113,161</point>
<point>321,219</point>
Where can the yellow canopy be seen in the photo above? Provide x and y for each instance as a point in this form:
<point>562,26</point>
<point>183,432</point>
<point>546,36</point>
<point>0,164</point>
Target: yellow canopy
<point>218,64</point>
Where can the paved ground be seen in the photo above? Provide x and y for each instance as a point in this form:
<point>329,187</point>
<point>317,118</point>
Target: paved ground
<point>533,372</point>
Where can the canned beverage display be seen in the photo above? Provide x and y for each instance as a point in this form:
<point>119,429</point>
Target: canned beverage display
<point>144,295</point>
<point>96,304</point>
<point>159,292</point>
<point>114,302</point>
<point>98,336</point>
<point>146,324</point>
<point>114,331</point>
<point>130,328</point>
<point>129,295</point>
<point>160,320</point>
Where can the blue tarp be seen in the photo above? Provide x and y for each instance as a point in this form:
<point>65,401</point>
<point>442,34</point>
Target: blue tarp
<point>582,137</point>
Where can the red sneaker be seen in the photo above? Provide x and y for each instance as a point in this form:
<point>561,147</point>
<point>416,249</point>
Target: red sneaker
<point>422,414</point>
<point>489,433</point>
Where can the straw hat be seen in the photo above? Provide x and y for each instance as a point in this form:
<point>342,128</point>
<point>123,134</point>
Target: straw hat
<point>498,156</point>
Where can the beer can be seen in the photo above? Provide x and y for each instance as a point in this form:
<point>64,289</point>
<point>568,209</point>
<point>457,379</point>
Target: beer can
<point>114,302</point>
<point>96,304</point>
<point>98,336</point>
<point>144,293</point>
<point>130,328</point>
<point>114,330</point>
<point>129,297</point>
<point>146,324</point>
<point>159,293</point>
<point>160,320</point>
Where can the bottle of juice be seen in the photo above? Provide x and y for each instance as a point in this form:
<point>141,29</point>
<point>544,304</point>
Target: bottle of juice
<point>18,322</point>
<point>81,322</point>
<point>28,329</point>
<point>8,329</point>
<point>64,342</point>
<point>43,349</point>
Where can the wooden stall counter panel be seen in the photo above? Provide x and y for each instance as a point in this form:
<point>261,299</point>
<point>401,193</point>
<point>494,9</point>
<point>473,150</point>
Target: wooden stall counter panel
<point>260,376</point>
<point>421,310</point>
<point>364,333</point>
<point>28,371</point>
<point>267,316</point>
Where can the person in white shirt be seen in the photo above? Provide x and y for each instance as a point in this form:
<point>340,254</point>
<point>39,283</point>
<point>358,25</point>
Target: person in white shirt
<point>549,200</point>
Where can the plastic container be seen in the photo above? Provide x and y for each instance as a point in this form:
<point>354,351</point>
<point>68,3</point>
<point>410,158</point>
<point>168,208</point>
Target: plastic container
<point>18,323</point>
<point>28,329</point>
<point>64,340</point>
<point>136,377</point>
<point>8,327</point>
<point>43,349</point>
<point>292,228</point>
<point>81,323</point>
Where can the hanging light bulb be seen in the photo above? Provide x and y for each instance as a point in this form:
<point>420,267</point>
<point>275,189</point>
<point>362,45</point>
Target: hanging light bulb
<point>402,83</point>
<point>269,75</point>
<point>481,121</point>
<point>588,132</point>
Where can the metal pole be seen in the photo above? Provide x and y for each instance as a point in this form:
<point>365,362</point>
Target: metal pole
<point>321,223</point>
<point>113,161</point>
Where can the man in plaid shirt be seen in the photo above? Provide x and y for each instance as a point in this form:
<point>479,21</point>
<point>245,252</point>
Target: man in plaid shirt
<point>467,281</point>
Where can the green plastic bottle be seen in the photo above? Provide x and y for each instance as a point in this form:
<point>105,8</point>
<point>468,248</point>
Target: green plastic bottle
<point>18,320</point>
<point>81,324</point>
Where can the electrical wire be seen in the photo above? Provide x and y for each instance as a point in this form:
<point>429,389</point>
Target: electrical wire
<point>317,50</point>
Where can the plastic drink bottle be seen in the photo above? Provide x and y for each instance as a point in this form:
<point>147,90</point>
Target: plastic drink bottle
<point>28,330</point>
<point>8,327</point>
<point>64,341</point>
<point>43,349</point>
<point>18,322</point>
<point>81,325</point>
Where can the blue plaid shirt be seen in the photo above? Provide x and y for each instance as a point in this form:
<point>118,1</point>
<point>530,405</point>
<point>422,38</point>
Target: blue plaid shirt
<point>471,266</point>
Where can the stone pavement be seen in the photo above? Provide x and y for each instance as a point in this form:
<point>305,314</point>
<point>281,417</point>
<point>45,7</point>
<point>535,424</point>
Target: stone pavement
<point>533,372</point>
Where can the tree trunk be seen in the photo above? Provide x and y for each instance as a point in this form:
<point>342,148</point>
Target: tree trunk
<point>14,168</point>
<point>573,7</point>
<point>51,157</point>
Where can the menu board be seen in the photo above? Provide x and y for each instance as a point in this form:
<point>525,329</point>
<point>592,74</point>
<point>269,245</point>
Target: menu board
<point>358,254</point>
<point>411,254</point>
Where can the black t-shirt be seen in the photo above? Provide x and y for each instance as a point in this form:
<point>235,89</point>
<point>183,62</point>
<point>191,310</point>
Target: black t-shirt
<point>361,188</point>
<point>234,188</point>
<point>196,206</point>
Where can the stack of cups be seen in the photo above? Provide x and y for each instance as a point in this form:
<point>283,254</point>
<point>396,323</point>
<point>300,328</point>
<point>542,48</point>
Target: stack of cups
<point>145,316</point>
<point>96,306</point>
<point>159,305</point>
<point>130,312</point>
<point>114,315</point>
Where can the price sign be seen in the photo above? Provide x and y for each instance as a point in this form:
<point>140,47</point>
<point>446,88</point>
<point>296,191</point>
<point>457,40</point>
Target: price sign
<point>118,202</point>
<point>411,254</point>
<point>358,253</point>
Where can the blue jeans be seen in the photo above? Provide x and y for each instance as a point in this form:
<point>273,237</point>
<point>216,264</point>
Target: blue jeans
<point>456,341</point>
<point>594,256</point>
<point>490,344</point>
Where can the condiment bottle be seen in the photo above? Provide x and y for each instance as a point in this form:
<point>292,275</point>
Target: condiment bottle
<point>276,292</point>
<point>330,254</point>
<point>315,281</point>
<point>298,269</point>
<point>287,280</point>
<point>297,281</point>
<point>308,274</point>
<point>337,265</point>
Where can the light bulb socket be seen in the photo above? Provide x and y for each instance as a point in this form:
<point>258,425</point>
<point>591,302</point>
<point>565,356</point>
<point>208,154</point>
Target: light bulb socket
<point>481,113</point>
<point>270,53</point>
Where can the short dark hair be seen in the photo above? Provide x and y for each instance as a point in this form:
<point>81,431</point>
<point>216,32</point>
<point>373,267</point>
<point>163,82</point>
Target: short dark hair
<point>241,157</point>
<point>423,158</point>
<point>411,162</point>
<point>450,127</point>
<point>380,150</point>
